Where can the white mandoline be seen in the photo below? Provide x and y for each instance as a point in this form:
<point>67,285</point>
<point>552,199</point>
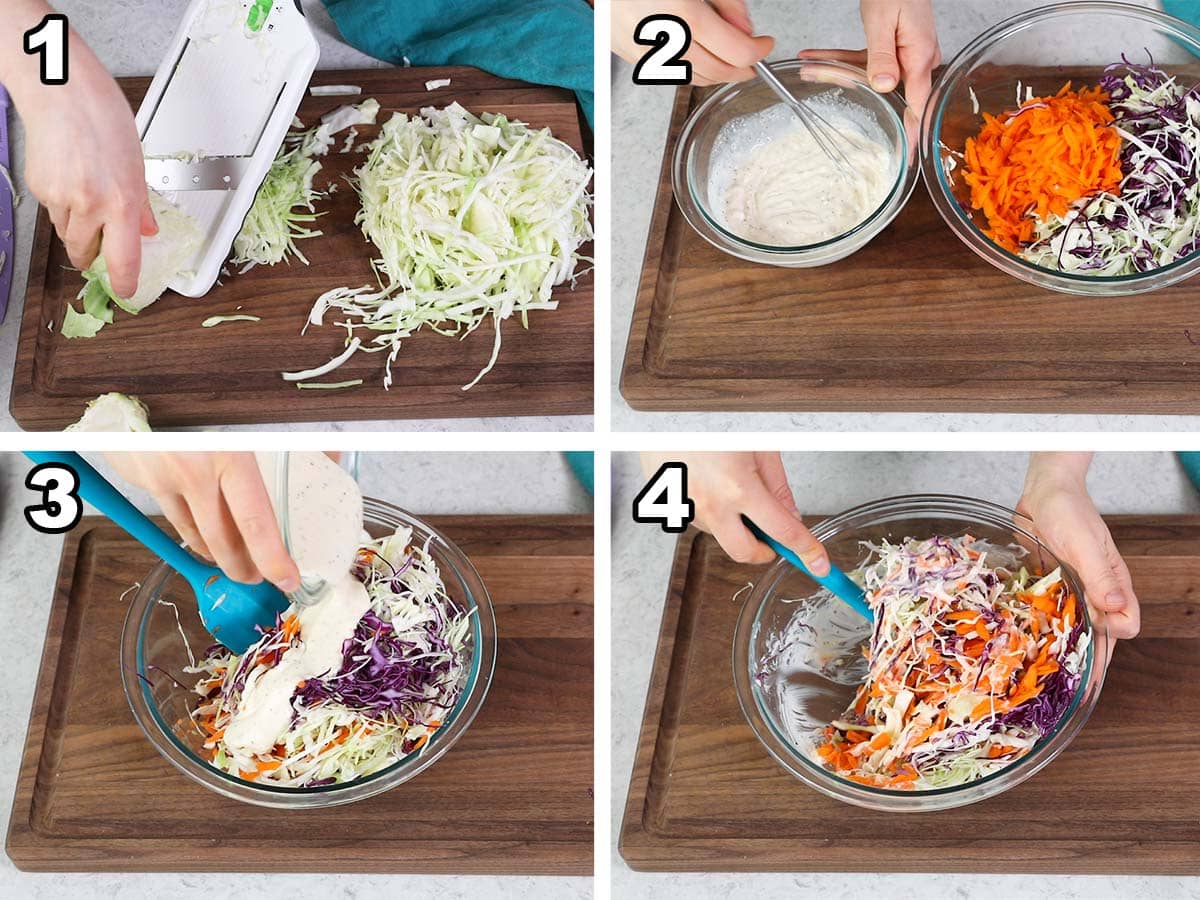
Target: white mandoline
<point>229,87</point>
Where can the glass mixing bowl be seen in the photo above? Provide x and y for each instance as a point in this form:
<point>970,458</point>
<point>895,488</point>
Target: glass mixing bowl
<point>1042,49</point>
<point>152,637</point>
<point>700,151</point>
<point>825,696</point>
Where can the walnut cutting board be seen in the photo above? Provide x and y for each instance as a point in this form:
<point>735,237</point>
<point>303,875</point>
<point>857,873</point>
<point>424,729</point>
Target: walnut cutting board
<point>188,375</point>
<point>512,796</point>
<point>913,322</point>
<point>1124,798</point>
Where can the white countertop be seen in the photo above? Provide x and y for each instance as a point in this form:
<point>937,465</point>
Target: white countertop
<point>826,483</point>
<point>106,28</point>
<point>484,483</point>
<point>641,114</point>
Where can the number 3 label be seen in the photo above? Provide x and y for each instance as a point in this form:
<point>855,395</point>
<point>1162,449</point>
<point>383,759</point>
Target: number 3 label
<point>60,508</point>
<point>664,500</point>
<point>670,37</point>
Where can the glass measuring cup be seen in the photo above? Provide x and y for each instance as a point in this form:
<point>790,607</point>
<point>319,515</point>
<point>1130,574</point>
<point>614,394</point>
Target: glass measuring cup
<point>312,588</point>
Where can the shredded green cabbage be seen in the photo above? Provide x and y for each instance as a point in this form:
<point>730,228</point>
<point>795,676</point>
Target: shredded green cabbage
<point>212,321</point>
<point>328,385</point>
<point>283,207</point>
<point>474,218</point>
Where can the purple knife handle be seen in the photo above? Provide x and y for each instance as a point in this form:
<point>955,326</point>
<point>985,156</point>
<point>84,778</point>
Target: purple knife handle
<point>7,226</point>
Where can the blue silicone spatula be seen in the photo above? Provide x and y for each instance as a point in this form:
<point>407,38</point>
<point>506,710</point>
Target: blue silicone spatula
<point>229,609</point>
<point>836,582</point>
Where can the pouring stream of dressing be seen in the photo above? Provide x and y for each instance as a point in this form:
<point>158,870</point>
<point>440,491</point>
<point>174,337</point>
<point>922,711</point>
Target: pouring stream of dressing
<point>325,515</point>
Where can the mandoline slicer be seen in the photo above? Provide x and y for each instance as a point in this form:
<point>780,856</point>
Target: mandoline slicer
<point>216,114</point>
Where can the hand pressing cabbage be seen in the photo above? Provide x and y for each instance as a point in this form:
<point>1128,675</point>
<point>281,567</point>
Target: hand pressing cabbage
<point>164,256</point>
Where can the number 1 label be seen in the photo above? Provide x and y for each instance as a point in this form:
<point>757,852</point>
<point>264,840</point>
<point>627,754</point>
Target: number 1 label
<point>49,39</point>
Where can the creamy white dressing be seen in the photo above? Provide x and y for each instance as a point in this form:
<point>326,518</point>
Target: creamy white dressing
<point>774,184</point>
<point>325,515</point>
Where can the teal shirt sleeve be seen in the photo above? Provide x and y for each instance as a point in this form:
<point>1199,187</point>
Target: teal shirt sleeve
<point>539,41</point>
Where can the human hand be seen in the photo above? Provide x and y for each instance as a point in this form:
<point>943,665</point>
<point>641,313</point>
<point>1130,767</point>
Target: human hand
<point>725,486</point>
<point>723,46</point>
<point>83,161</point>
<point>220,507</point>
<point>1055,497</point>
<point>902,45</point>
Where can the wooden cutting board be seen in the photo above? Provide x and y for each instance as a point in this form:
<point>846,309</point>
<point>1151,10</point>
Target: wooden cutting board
<point>188,375</point>
<point>1124,798</point>
<point>513,796</point>
<point>913,322</point>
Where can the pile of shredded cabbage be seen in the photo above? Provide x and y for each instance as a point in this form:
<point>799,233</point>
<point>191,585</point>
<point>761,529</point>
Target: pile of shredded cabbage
<point>283,209</point>
<point>474,217</point>
<point>1154,219</point>
<point>402,674</point>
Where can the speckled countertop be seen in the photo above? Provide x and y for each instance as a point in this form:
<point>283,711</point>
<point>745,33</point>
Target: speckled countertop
<point>828,482</point>
<point>527,483</point>
<point>640,115</point>
<point>106,28</point>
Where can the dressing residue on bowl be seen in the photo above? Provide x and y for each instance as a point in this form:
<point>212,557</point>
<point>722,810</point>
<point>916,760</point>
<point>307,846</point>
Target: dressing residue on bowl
<point>771,182</point>
<point>812,665</point>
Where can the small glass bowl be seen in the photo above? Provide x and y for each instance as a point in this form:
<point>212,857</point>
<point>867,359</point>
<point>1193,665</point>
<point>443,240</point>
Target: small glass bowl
<point>1051,44</point>
<point>151,636</point>
<point>766,613</point>
<point>694,154</point>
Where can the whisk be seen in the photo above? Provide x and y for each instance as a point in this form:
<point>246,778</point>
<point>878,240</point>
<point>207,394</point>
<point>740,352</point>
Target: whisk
<point>823,133</point>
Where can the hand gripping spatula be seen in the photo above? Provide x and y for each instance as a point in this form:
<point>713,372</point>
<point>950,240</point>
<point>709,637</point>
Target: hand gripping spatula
<point>217,112</point>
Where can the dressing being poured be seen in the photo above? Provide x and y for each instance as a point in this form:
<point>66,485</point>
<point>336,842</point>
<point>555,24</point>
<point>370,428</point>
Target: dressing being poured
<point>325,516</point>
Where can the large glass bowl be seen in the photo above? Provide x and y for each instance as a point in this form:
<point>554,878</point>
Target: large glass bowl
<point>700,144</point>
<point>1042,49</point>
<point>825,696</point>
<point>151,637</point>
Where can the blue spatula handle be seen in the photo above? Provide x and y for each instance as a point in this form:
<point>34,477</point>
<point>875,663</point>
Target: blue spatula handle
<point>96,490</point>
<point>836,582</point>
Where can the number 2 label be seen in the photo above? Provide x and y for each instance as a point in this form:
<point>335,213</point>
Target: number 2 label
<point>670,37</point>
<point>664,500</point>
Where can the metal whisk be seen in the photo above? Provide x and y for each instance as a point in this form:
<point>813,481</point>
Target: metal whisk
<point>823,133</point>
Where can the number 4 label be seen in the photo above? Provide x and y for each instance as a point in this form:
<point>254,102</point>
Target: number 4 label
<point>664,500</point>
<point>670,37</point>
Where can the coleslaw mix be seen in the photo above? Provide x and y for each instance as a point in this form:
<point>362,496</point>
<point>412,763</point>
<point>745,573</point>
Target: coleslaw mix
<point>970,664</point>
<point>1146,219</point>
<point>402,673</point>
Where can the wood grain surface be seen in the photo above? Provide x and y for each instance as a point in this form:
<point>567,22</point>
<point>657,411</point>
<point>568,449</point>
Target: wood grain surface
<point>188,375</point>
<point>1122,799</point>
<point>512,796</point>
<point>914,322</point>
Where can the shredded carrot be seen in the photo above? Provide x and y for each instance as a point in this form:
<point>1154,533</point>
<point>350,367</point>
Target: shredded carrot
<point>1040,159</point>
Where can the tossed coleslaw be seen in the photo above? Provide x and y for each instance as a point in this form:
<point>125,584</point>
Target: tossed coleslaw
<point>401,675</point>
<point>971,662</point>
